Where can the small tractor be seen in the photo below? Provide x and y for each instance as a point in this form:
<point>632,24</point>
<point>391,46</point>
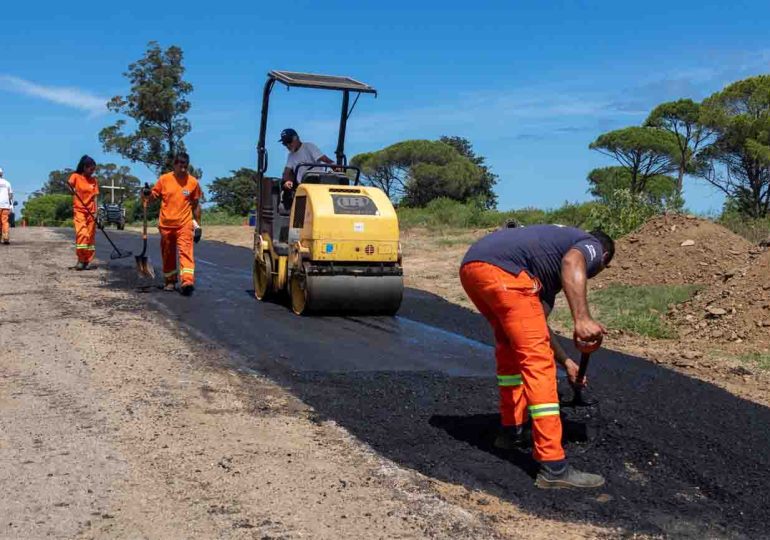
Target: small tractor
<point>336,249</point>
<point>111,213</point>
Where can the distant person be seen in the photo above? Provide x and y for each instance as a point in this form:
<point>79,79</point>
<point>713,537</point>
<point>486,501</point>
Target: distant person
<point>180,215</point>
<point>6,208</point>
<point>299,152</point>
<point>512,276</point>
<point>84,201</point>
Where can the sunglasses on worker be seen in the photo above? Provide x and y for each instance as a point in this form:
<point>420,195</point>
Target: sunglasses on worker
<point>179,162</point>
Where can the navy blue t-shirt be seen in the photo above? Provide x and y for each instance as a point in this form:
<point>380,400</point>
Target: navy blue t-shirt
<point>538,251</point>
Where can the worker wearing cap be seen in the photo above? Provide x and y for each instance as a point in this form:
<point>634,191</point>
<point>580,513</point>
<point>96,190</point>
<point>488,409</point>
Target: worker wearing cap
<point>6,207</point>
<point>180,214</point>
<point>299,152</point>
<point>512,276</point>
<point>85,191</point>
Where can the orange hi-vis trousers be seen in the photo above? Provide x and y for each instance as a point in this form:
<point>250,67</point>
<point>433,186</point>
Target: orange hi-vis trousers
<point>173,240</point>
<point>85,235</point>
<point>5,224</point>
<point>526,373</point>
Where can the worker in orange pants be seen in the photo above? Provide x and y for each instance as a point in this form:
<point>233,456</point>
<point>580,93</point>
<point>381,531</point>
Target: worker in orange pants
<point>6,207</point>
<point>180,215</point>
<point>510,275</point>
<point>84,201</point>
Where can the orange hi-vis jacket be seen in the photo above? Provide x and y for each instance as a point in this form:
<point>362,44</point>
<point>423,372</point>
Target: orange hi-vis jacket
<point>177,199</point>
<point>87,189</point>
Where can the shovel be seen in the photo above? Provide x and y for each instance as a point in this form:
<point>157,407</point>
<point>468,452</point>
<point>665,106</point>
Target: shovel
<point>578,399</point>
<point>117,253</point>
<point>143,265</point>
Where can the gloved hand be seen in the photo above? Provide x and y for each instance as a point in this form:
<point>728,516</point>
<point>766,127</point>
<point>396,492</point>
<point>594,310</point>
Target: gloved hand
<point>197,232</point>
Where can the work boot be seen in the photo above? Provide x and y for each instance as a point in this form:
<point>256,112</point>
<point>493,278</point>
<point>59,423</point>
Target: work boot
<point>514,437</point>
<point>567,477</point>
<point>169,287</point>
<point>187,289</point>
<point>80,266</point>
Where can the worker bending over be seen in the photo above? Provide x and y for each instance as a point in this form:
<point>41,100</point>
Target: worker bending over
<point>512,276</point>
<point>180,215</point>
<point>85,191</point>
<point>6,207</point>
<point>299,152</point>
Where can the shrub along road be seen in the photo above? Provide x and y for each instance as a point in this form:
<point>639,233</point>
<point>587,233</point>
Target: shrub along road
<point>682,457</point>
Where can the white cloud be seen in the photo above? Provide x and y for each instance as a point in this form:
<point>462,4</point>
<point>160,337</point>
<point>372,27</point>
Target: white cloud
<point>70,97</point>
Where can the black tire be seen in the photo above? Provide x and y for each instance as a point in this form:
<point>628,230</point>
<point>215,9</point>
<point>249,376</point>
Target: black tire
<point>121,226</point>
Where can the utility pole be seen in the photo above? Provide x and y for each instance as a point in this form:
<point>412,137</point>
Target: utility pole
<point>112,187</point>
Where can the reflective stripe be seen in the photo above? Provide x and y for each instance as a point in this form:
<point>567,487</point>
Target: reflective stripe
<point>509,380</point>
<point>169,274</point>
<point>187,271</point>
<point>544,409</point>
<point>85,246</point>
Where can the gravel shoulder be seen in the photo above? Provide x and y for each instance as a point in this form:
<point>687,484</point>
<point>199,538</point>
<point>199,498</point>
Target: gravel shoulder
<point>116,421</point>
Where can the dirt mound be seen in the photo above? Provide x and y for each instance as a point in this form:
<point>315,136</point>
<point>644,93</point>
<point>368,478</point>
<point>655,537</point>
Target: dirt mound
<point>734,309</point>
<point>676,249</point>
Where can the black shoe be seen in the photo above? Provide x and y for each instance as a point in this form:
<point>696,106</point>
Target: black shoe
<point>568,477</point>
<point>187,289</point>
<point>514,437</point>
<point>80,266</point>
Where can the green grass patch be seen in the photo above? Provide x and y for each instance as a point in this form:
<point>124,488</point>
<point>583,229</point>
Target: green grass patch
<point>638,310</point>
<point>761,360</point>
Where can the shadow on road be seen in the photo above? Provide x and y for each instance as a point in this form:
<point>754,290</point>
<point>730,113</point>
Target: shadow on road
<point>682,457</point>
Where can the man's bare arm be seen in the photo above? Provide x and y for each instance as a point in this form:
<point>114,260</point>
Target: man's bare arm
<point>288,175</point>
<point>574,279</point>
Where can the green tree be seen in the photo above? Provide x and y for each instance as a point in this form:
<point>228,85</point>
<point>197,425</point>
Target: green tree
<point>157,104</point>
<point>56,183</point>
<point>237,193</point>
<point>108,173</point>
<point>485,189</point>
<point>48,210</point>
<point>737,162</point>
<point>605,181</point>
<point>645,152</point>
<point>415,172</point>
<point>682,119</point>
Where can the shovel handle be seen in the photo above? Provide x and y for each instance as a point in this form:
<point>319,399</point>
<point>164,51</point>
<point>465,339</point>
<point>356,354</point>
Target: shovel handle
<point>144,224</point>
<point>584,359</point>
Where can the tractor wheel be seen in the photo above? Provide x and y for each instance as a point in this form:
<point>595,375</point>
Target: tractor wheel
<point>263,277</point>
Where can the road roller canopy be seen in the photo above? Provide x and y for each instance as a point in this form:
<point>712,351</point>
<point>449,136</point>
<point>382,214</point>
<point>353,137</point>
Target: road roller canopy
<point>324,82</point>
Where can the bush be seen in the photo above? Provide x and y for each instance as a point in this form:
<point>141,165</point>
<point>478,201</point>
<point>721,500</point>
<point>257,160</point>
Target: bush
<point>622,213</point>
<point>448,213</point>
<point>752,229</point>
<point>48,210</point>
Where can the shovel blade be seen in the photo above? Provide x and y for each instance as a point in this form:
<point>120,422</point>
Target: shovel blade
<point>144,267</point>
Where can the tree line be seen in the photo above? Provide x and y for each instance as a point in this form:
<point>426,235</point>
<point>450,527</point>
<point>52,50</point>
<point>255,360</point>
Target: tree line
<point>723,140</point>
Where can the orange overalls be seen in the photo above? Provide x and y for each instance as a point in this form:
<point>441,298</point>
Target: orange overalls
<point>85,225</point>
<point>5,224</point>
<point>175,225</point>
<point>526,372</point>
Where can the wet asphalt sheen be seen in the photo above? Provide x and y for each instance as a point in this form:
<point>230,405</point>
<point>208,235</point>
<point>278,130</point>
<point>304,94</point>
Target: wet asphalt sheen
<point>682,458</point>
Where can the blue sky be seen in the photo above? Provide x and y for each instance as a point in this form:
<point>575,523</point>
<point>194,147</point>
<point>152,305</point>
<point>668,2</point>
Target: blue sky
<point>531,84</point>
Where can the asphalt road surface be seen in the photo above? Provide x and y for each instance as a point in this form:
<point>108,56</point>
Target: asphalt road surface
<point>682,457</point>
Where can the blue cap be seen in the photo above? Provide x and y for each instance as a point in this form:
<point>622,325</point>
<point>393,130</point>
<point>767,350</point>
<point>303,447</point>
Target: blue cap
<point>287,135</point>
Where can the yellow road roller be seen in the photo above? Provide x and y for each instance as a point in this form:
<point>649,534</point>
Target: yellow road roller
<point>336,248</point>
